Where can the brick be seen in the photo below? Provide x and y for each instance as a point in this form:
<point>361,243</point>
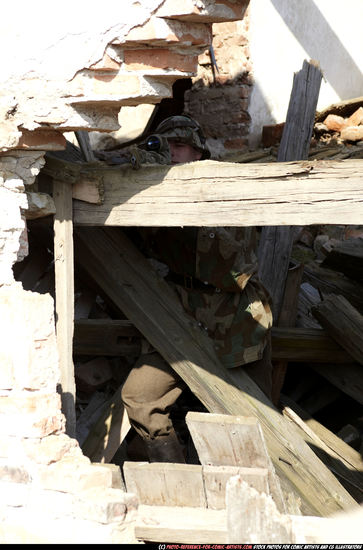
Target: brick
<point>41,140</point>
<point>237,143</point>
<point>159,31</point>
<point>28,318</point>
<point>272,134</point>
<point>334,122</point>
<point>51,448</point>
<point>30,402</point>
<point>356,118</point>
<point>99,504</point>
<point>352,133</point>
<point>30,425</point>
<point>73,475</point>
<point>165,59</point>
<point>106,64</point>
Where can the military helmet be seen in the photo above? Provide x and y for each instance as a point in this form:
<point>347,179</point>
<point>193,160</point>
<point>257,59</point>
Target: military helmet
<point>185,129</point>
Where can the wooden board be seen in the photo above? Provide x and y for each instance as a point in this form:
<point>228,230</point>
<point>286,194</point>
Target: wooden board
<point>191,485</point>
<point>64,304</point>
<point>105,337</point>
<point>223,440</point>
<point>181,525</point>
<point>343,322</point>
<point>225,194</point>
<point>128,280</point>
<point>215,480</point>
<point>166,484</point>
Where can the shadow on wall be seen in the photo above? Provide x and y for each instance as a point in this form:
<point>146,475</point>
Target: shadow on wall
<point>324,45</point>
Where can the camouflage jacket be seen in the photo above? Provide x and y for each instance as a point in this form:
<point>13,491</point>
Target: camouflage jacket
<point>236,309</point>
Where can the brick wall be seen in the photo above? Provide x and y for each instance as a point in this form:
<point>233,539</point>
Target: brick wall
<point>79,80</point>
<point>219,98</point>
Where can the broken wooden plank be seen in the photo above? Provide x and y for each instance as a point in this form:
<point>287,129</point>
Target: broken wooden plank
<point>276,242</point>
<point>296,135</point>
<point>287,318</point>
<point>340,458</point>
<point>343,322</point>
<point>130,282</point>
<point>347,257</point>
<point>253,517</point>
<point>64,304</point>
<point>106,337</point>
<point>328,281</point>
<point>224,194</point>
<point>107,434</point>
<point>215,480</point>
<point>166,484</point>
<point>223,440</point>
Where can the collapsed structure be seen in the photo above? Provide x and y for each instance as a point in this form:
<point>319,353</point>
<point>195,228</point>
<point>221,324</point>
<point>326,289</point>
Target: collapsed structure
<point>44,472</point>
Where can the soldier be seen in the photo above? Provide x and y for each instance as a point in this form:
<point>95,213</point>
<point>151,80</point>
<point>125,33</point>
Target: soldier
<point>214,272</point>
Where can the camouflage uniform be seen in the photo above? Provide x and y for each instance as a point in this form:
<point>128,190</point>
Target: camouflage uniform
<point>214,271</point>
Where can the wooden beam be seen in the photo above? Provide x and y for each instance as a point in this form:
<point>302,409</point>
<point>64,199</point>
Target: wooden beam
<point>343,322</point>
<point>276,242</point>
<point>299,345</point>
<point>223,194</point>
<point>127,278</point>
<point>64,290</point>
<point>106,337</point>
<point>224,440</point>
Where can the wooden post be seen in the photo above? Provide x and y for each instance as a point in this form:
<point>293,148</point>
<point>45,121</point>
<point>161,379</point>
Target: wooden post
<point>276,241</point>
<point>64,290</point>
<point>287,319</point>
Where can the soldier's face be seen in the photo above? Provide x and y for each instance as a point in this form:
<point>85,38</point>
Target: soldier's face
<point>183,152</point>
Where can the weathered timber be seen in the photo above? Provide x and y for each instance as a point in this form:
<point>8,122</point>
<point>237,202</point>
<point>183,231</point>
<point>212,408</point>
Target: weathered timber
<point>224,440</point>
<point>296,135</point>
<point>181,524</point>
<point>308,296</point>
<point>222,194</point>
<point>108,432</point>
<point>276,242</point>
<point>166,484</point>
<point>343,322</point>
<point>85,145</point>
<point>64,305</point>
<point>287,318</point>
<point>304,345</point>
<point>112,337</point>
<point>127,278</point>
<point>344,461</point>
<point>347,257</point>
<point>105,337</point>
<point>96,406</point>
<point>187,485</point>
<point>328,281</point>
<point>204,526</point>
<point>253,517</point>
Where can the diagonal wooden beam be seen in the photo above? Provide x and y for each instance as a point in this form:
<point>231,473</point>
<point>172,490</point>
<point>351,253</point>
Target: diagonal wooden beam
<point>129,281</point>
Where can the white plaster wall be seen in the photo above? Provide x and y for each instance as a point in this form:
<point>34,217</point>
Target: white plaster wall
<point>285,32</point>
<point>55,40</point>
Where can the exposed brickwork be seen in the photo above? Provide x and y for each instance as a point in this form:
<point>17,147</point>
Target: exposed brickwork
<point>225,128</point>
<point>50,492</point>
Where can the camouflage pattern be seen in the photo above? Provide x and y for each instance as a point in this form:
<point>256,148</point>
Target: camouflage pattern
<point>236,310</point>
<point>184,129</point>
